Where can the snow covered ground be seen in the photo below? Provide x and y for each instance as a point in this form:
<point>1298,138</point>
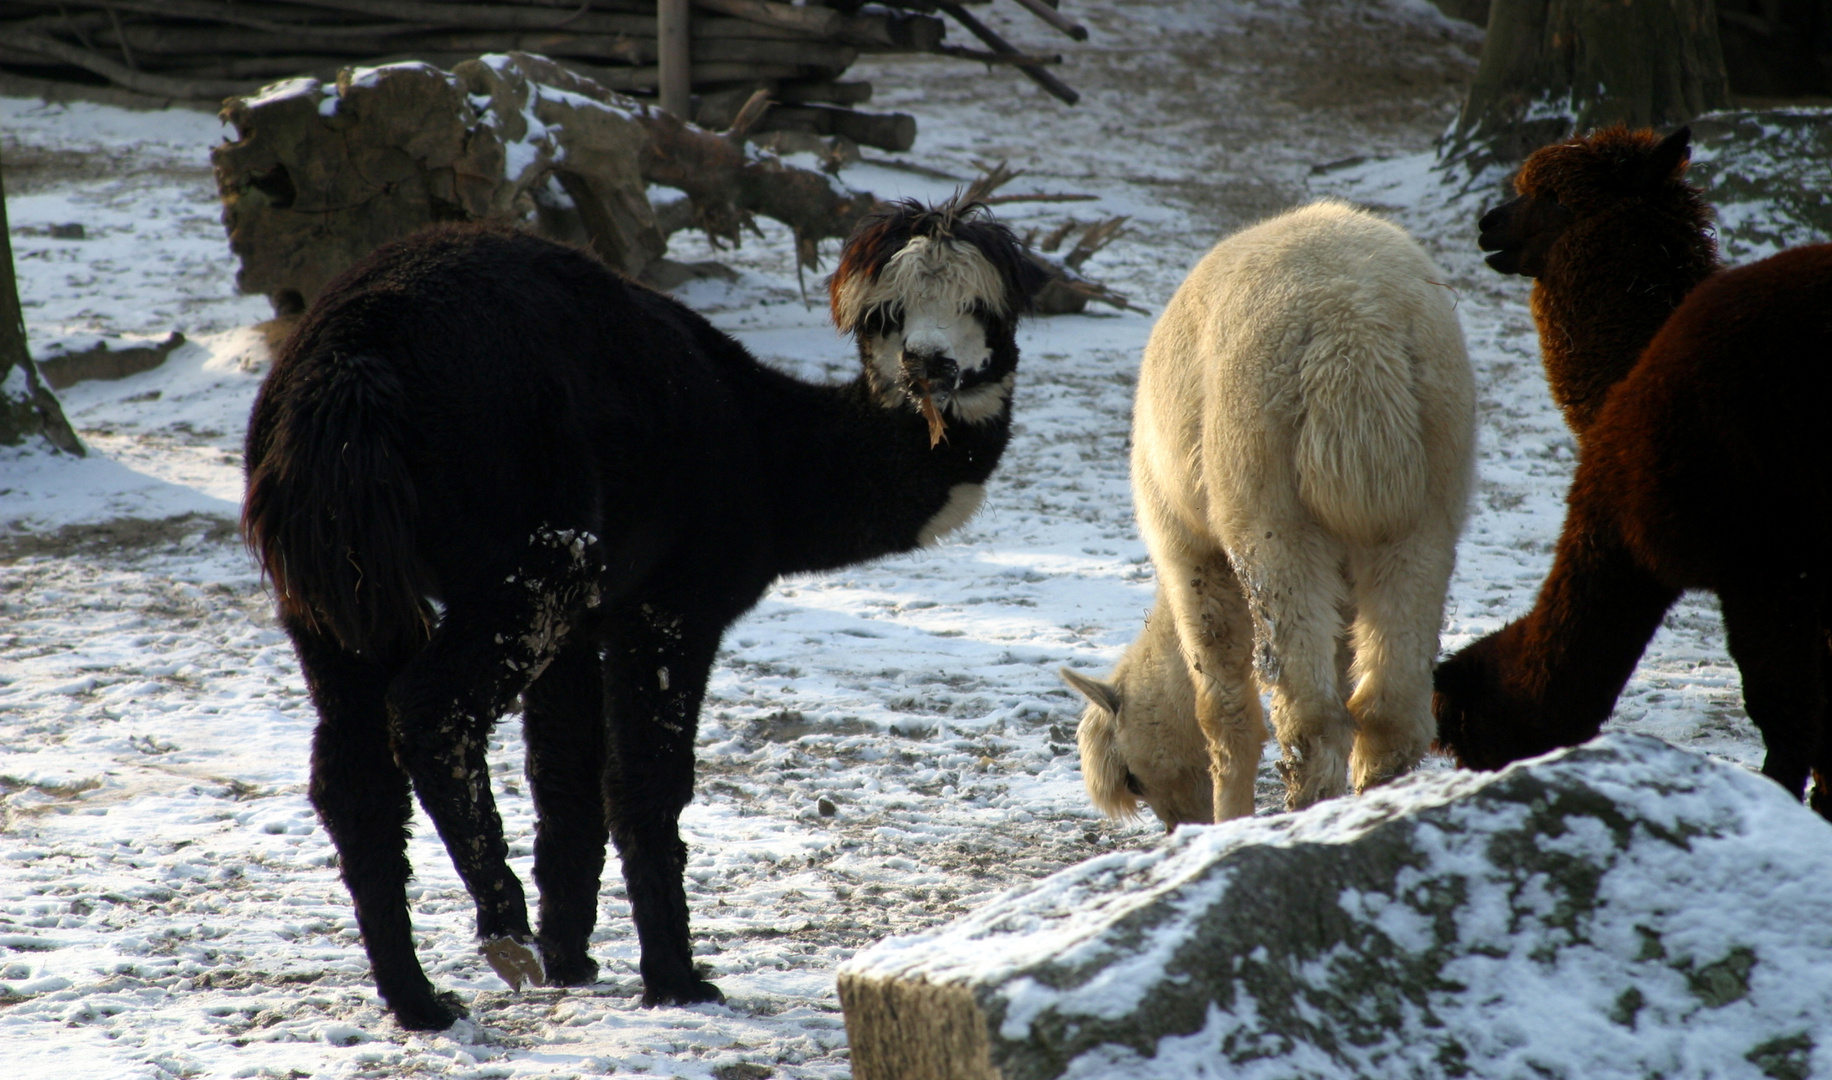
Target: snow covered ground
<point>168,904</point>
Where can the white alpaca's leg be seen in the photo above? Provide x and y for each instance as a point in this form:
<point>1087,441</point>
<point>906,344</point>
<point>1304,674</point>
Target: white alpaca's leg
<point>1345,649</point>
<point>1399,589</point>
<point>1295,593</point>
<point>1216,635</point>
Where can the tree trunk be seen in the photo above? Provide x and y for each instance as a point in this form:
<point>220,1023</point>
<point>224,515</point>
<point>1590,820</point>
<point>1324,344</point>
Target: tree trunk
<point>1553,67</point>
<point>27,406</point>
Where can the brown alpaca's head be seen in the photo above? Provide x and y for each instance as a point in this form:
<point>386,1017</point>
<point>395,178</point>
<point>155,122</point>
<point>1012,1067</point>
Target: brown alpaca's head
<point>1484,721</point>
<point>1616,171</point>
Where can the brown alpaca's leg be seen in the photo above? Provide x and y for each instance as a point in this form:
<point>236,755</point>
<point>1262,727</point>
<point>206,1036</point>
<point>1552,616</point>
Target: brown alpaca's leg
<point>1774,636</point>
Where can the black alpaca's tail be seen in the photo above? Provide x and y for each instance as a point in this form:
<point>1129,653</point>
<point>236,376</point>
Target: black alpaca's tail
<point>331,504</point>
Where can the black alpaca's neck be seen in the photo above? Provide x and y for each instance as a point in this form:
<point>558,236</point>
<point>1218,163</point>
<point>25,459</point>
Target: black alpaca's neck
<point>1609,285</point>
<point>852,478</point>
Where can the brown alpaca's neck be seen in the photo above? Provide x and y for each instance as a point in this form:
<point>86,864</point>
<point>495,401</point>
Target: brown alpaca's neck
<point>1608,287</point>
<point>1574,652</point>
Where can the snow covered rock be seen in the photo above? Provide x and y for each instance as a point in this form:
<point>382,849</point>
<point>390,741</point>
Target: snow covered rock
<point>1621,909</point>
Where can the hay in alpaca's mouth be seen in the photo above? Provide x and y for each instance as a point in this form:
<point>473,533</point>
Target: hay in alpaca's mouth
<point>938,428</point>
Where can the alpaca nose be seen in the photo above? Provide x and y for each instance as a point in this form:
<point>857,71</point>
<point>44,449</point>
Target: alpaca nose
<point>941,372</point>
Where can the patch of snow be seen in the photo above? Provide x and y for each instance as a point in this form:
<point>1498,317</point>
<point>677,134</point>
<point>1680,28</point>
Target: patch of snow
<point>288,88</point>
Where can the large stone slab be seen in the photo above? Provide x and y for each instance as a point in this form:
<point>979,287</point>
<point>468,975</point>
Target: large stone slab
<point>1622,909</point>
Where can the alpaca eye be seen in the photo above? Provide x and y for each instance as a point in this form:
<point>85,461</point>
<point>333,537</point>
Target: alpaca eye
<point>1133,785</point>
<point>882,319</point>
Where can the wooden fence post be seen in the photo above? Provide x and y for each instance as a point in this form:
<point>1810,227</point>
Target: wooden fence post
<point>674,51</point>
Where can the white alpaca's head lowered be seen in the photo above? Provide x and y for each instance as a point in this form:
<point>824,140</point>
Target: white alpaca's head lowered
<point>1140,743</point>
<point>933,296</point>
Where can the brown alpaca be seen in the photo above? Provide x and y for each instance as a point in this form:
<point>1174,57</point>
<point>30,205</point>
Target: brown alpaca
<point>1709,466</point>
<point>1616,239</point>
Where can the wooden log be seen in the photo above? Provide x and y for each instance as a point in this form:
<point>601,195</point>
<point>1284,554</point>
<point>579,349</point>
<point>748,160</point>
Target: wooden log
<point>817,54</point>
<point>886,131</point>
<point>220,41</point>
<point>674,57</point>
<point>203,44</point>
<point>1047,12</point>
<point>193,39</point>
<point>645,78</point>
<point>717,110</point>
<point>474,16</point>
<point>962,52</point>
<point>1056,87</point>
<point>814,21</point>
<point>1040,196</point>
<point>269,16</point>
<point>122,75</point>
<point>827,93</point>
<point>893,31</point>
<point>101,362</point>
<point>323,68</point>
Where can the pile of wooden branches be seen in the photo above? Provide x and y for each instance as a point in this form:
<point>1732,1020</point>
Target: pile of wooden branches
<point>212,49</point>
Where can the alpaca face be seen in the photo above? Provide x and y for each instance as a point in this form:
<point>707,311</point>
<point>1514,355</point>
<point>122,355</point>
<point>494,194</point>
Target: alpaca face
<point>925,331</point>
<point>932,296</point>
<point>1578,180</point>
<point>1482,722</point>
<point>1521,232</point>
<point>1140,743</point>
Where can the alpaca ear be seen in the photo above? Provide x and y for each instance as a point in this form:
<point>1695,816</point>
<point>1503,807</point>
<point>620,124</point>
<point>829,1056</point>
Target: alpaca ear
<point>1105,695</point>
<point>1667,160</point>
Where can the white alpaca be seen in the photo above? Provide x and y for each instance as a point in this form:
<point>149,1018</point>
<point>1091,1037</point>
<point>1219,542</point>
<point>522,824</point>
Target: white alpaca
<point>1303,448</point>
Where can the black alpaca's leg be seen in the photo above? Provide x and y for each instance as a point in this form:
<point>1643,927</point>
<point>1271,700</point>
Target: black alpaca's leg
<point>1774,636</point>
<point>563,722</point>
<point>490,644</point>
<point>362,797</point>
<point>655,678</point>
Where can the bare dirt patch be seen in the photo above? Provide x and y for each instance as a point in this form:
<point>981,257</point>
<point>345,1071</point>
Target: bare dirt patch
<point>120,536</point>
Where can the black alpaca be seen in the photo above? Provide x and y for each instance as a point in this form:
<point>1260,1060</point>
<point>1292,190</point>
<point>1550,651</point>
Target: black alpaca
<point>485,466</point>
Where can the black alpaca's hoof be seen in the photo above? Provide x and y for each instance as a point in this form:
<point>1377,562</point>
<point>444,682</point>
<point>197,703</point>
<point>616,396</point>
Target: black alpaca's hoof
<point>693,992</point>
<point>436,1013</point>
<point>564,970</point>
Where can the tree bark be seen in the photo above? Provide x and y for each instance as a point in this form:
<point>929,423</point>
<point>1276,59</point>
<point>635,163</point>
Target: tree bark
<point>27,406</point>
<point>1550,68</point>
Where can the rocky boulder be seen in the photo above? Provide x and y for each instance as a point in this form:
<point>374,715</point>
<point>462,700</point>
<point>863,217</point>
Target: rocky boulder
<point>1621,909</point>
